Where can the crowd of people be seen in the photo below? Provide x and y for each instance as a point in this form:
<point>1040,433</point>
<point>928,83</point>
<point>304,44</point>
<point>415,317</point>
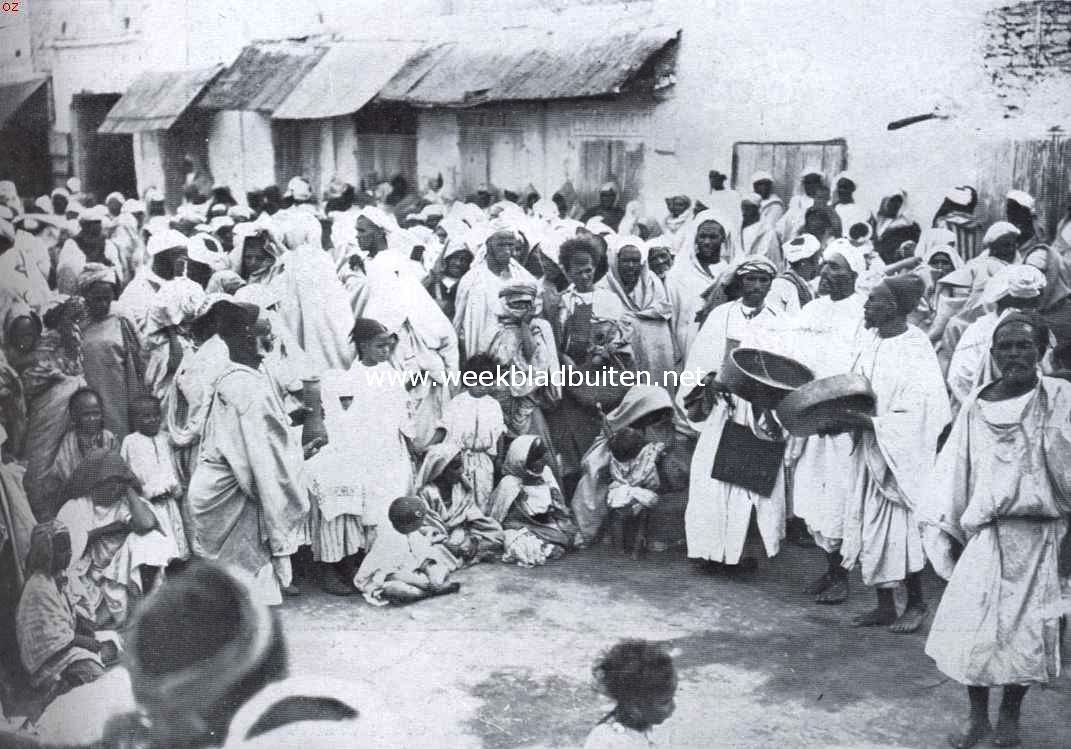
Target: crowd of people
<point>311,392</point>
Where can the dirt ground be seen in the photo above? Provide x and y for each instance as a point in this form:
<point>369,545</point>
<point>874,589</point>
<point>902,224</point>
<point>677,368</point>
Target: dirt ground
<point>507,662</point>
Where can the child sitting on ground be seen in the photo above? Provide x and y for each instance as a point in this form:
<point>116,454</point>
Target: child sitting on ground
<point>406,564</point>
<point>473,419</point>
<point>634,485</point>
<point>639,676</point>
<point>148,453</point>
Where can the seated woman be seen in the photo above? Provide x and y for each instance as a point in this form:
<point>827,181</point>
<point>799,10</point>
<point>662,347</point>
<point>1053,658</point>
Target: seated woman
<point>114,533</point>
<point>470,535</point>
<point>57,647</point>
<point>528,499</point>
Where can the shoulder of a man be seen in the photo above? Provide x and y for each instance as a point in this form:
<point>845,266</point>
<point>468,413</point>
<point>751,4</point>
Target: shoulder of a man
<point>241,387</point>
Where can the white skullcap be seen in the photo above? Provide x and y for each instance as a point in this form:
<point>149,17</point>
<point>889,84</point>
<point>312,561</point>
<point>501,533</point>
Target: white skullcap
<point>852,254</point>
<point>298,189</point>
<point>115,196</point>
<point>1025,199</point>
<point>60,192</point>
<point>74,185</point>
<point>433,209</point>
<point>166,240</point>
<point>596,225</point>
<point>75,207</point>
<point>379,217</point>
<point>801,248</point>
<point>998,230</point>
<point>761,176</point>
<point>959,196</point>
<point>1018,281</point>
<point>44,203</point>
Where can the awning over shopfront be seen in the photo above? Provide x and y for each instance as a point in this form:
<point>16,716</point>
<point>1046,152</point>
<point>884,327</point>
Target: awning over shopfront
<point>264,75</point>
<point>346,78</point>
<point>14,95</point>
<point>155,101</point>
<point>533,65</point>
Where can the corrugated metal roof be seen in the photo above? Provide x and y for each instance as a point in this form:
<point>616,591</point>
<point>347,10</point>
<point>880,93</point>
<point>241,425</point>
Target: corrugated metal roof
<point>345,79</point>
<point>14,95</point>
<point>155,100</point>
<point>263,76</point>
<point>527,65</point>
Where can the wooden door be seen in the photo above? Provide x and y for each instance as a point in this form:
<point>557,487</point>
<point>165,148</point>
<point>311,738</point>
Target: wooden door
<point>602,160</point>
<point>1041,167</point>
<point>786,162</point>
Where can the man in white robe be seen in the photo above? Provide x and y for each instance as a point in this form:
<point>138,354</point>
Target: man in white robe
<point>825,335</point>
<point>706,239</point>
<point>894,462</point>
<point>477,302</point>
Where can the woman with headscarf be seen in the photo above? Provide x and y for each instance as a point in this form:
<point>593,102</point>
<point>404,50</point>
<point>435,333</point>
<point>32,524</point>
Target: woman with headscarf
<point>937,250</point>
<point>528,498</point>
<point>719,512</point>
<point>705,243</point>
<point>893,465</point>
<point>57,648</point>
<point>114,534</point>
<point>1001,493</point>
<point>477,301</point>
<point>112,351</point>
<point>444,280</point>
<point>645,308</point>
<point>468,533</point>
<point>676,218</point>
<point>893,227</point>
<point>51,369</point>
<point>649,409</point>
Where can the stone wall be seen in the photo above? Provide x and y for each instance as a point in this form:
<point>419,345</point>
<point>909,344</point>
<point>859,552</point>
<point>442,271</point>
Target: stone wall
<point>1028,44</point>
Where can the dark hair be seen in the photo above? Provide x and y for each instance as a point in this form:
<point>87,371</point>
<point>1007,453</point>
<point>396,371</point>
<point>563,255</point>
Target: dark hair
<point>858,230</point>
<point>635,672</point>
<point>1031,319</point>
<point>80,393</point>
<point>480,363</point>
<point>626,443</point>
<point>571,250</point>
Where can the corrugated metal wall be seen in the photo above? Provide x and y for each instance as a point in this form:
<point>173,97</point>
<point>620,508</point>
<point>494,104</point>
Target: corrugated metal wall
<point>1041,167</point>
<point>786,162</point>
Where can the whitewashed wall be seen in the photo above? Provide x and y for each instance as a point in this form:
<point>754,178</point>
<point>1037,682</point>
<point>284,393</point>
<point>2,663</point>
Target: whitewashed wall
<point>240,151</point>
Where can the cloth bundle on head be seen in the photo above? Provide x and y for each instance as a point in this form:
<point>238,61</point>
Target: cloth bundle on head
<point>851,254</point>
<point>801,248</point>
<point>907,290</point>
<point>1025,199</point>
<point>170,239</point>
<point>1017,281</point>
<point>999,230</point>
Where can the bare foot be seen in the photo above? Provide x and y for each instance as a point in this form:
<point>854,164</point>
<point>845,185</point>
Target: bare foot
<point>819,585</point>
<point>1007,733</point>
<point>878,617</point>
<point>910,620</point>
<point>835,593</point>
<point>971,735</point>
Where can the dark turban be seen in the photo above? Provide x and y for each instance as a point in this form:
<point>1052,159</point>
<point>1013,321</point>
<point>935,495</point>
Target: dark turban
<point>907,290</point>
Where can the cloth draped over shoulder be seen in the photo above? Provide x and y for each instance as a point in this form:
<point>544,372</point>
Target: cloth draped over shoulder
<point>1002,487</point>
<point>477,304</point>
<point>589,500</point>
<point>514,502</point>
<point>688,279</point>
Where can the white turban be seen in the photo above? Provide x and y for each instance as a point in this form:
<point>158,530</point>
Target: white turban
<point>1025,199</point>
<point>166,240</point>
<point>998,230</point>
<point>298,189</point>
<point>852,254</point>
<point>761,176</point>
<point>801,248</point>
<point>1017,281</point>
